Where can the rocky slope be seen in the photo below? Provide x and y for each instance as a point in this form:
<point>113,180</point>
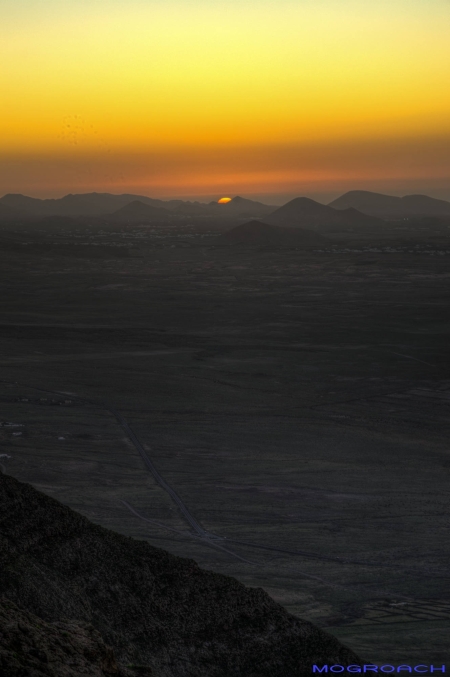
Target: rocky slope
<point>30,646</point>
<point>153,608</point>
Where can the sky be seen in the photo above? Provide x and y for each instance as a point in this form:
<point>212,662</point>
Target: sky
<point>197,98</point>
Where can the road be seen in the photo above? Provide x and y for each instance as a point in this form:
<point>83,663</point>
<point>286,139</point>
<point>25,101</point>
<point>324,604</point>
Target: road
<point>159,479</point>
<point>199,532</point>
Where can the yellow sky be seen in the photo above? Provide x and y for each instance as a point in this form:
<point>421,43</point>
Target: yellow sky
<point>100,84</point>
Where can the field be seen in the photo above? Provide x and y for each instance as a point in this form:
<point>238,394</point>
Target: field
<point>296,401</point>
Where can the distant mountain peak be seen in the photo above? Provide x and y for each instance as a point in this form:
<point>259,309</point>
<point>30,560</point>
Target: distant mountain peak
<point>303,212</point>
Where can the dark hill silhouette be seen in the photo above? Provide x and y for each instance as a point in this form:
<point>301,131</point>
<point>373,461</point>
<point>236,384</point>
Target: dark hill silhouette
<point>257,233</point>
<point>390,205</point>
<point>302,212</point>
<point>353,217</point>
<point>101,204</point>
<point>69,205</point>
<point>106,203</point>
<point>423,205</point>
<point>153,608</point>
<point>301,207</point>
<point>237,207</point>
<point>85,204</point>
<point>29,205</point>
<point>137,211</point>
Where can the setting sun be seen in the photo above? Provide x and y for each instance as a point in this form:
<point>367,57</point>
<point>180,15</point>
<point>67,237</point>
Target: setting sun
<point>138,97</point>
<point>224,200</point>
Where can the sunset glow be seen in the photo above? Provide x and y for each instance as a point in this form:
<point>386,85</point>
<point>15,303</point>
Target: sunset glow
<point>224,200</point>
<point>184,97</point>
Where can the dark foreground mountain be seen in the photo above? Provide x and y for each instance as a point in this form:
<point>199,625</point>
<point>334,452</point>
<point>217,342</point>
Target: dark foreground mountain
<point>153,608</point>
<point>31,647</point>
<point>257,233</point>
<point>302,212</point>
<point>390,205</point>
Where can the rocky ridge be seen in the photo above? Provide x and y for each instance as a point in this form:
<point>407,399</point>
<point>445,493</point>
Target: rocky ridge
<point>32,647</point>
<point>153,608</point>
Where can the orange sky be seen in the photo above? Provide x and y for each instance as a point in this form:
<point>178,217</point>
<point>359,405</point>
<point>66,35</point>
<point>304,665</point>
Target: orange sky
<point>204,98</point>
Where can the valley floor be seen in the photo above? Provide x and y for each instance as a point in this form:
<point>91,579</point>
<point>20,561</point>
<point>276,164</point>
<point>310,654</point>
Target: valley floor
<point>297,403</point>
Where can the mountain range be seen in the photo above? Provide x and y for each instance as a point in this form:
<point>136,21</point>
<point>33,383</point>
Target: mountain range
<point>378,204</point>
<point>76,579</point>
<point>16,206</point>
<point>355,208</point>
<point>85,204</point>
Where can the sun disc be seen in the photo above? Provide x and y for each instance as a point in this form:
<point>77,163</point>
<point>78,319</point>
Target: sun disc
<point>224,200</point>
